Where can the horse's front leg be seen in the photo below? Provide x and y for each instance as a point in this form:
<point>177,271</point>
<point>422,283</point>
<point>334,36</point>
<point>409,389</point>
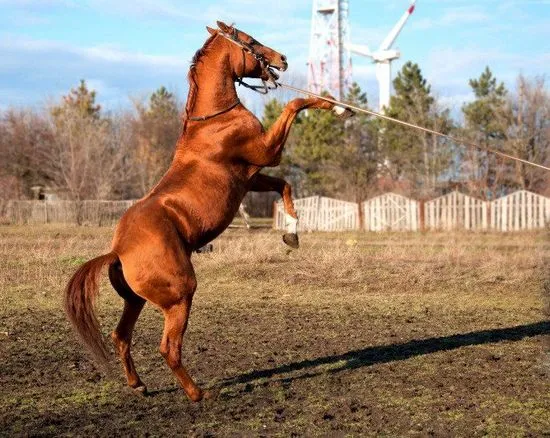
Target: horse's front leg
<point>274,139</point>
<point>265,183</point>
<point>276,136</point>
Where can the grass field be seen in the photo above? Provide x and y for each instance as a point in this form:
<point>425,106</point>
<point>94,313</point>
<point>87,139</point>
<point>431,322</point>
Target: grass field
<point>352,334</point>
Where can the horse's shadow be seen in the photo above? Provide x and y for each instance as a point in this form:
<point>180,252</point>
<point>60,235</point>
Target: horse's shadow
<point>386,353</point>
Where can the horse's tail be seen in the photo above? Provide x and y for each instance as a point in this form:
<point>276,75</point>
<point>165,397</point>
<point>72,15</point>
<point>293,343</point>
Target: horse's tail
<point>80,295</point>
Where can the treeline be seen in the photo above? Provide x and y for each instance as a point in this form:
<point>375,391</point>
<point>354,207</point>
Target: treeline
<point>364,156</point>
<point>81,152</point>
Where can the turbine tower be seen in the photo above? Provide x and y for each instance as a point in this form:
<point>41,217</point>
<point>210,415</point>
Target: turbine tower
<point>383,58</point>
<point>329,65</point>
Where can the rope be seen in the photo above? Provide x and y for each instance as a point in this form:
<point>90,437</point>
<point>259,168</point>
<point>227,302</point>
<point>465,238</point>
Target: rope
<point>411,125</point>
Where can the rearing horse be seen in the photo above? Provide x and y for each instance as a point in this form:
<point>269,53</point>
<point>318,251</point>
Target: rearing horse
<point>218,157</point>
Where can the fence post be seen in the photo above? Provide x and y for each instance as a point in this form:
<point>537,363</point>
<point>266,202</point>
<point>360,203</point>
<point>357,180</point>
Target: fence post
<point>274,215</point>
<point>360,216</point>
<point>422,214</point>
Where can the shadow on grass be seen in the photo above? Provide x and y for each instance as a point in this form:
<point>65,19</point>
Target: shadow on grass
<point>390,353</point>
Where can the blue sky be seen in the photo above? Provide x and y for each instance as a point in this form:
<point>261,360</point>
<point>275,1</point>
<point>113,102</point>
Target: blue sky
<point>125,49</point>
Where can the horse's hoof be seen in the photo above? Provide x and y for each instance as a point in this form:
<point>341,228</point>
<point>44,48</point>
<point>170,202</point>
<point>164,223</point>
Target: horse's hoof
<point>140,390</point>
<point>342,112</point>
<point>291,239</point>
<point>196,396</point>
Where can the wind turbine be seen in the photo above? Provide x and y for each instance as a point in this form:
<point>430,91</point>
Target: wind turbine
<point>383,58</point>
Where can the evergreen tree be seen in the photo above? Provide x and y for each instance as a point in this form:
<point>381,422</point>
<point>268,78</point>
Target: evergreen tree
<point>412,155</point>
<point>483,125</point>
<point>272,110</point>
<point>318,137</point>
<point>325,155</point>
<point>81,101</point>
<point>158,128</point>
<point>354,161</point>
<point>162,104</point>
<point>481,114</point>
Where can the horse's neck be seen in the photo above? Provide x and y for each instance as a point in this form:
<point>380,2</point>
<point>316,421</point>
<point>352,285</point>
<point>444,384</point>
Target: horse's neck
<point>215,88</point>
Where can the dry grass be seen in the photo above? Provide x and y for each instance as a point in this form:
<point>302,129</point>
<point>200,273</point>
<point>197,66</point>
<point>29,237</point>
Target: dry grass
<point>355,333</point>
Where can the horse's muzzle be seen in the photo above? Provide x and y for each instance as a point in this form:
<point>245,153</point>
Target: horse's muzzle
<point>281,65</point>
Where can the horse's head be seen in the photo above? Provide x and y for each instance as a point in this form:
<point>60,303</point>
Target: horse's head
<point>249,58</point>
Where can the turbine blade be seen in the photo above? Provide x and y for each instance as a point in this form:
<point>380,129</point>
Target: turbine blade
<point>360,50</point>
<point>387,43</point>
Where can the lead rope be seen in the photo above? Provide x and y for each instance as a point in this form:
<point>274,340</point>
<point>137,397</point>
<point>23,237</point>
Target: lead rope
<point>411,125</point>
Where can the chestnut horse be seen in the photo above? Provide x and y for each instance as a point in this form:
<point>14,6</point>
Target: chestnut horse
<point>217,160</point>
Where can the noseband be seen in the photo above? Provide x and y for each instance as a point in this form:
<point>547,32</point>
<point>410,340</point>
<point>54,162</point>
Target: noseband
<point>269,84</point>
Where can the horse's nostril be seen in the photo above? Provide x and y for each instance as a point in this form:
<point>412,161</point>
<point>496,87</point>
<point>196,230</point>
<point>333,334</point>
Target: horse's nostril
<point>283,58</point>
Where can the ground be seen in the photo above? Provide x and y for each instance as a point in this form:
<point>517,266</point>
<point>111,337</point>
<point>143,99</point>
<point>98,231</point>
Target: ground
<point>441,334</point>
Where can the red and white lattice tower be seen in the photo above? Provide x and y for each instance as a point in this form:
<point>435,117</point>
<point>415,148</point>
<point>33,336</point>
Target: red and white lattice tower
<point>329,65</point>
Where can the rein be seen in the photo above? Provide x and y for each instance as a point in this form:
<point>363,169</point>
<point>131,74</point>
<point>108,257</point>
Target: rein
<point>411,125</point>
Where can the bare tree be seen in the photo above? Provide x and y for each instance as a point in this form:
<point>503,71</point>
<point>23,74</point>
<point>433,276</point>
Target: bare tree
<point>23,133</point>
<point>156,131</point>
<point>526,123</point>
<point>87,157</point>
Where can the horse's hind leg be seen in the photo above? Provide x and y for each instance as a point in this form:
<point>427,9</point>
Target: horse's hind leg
<point>175,323</point>
<point>122,335</point>
<point>164,276</point>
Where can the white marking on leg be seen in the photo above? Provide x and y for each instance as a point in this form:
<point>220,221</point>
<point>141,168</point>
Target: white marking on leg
<point>291,224</point>
<point>339,110</point>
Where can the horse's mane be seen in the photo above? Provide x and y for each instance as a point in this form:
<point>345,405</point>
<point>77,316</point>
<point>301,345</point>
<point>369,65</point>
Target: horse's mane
<point>192,79</point>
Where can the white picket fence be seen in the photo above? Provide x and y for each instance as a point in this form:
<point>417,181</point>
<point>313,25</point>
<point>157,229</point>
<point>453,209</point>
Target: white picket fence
<point>90,212</point>
<point>455,210</point>
<point>521,210</point>
<point>391,212</point>
<point>320,213</point>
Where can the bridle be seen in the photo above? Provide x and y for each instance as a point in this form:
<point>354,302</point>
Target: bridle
<point>269,84</point>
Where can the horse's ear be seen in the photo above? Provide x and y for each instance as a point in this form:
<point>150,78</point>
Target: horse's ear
<point>211,31</point>
<point>223,27</point>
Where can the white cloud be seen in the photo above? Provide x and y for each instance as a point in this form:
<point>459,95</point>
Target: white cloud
<point>99,53</point>
<point>37,3</point>
<point>448,62</point>
<point>464,15</point>
<point>461,15</point>
<point>52,68</point>
<point>272,14</point>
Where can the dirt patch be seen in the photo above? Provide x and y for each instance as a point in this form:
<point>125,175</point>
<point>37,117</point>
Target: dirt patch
<point>416,337</point>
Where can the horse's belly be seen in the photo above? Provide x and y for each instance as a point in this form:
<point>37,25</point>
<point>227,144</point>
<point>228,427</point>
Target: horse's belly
<point>200,201</point>
<point>217,214</point>
<point>202,215</point>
